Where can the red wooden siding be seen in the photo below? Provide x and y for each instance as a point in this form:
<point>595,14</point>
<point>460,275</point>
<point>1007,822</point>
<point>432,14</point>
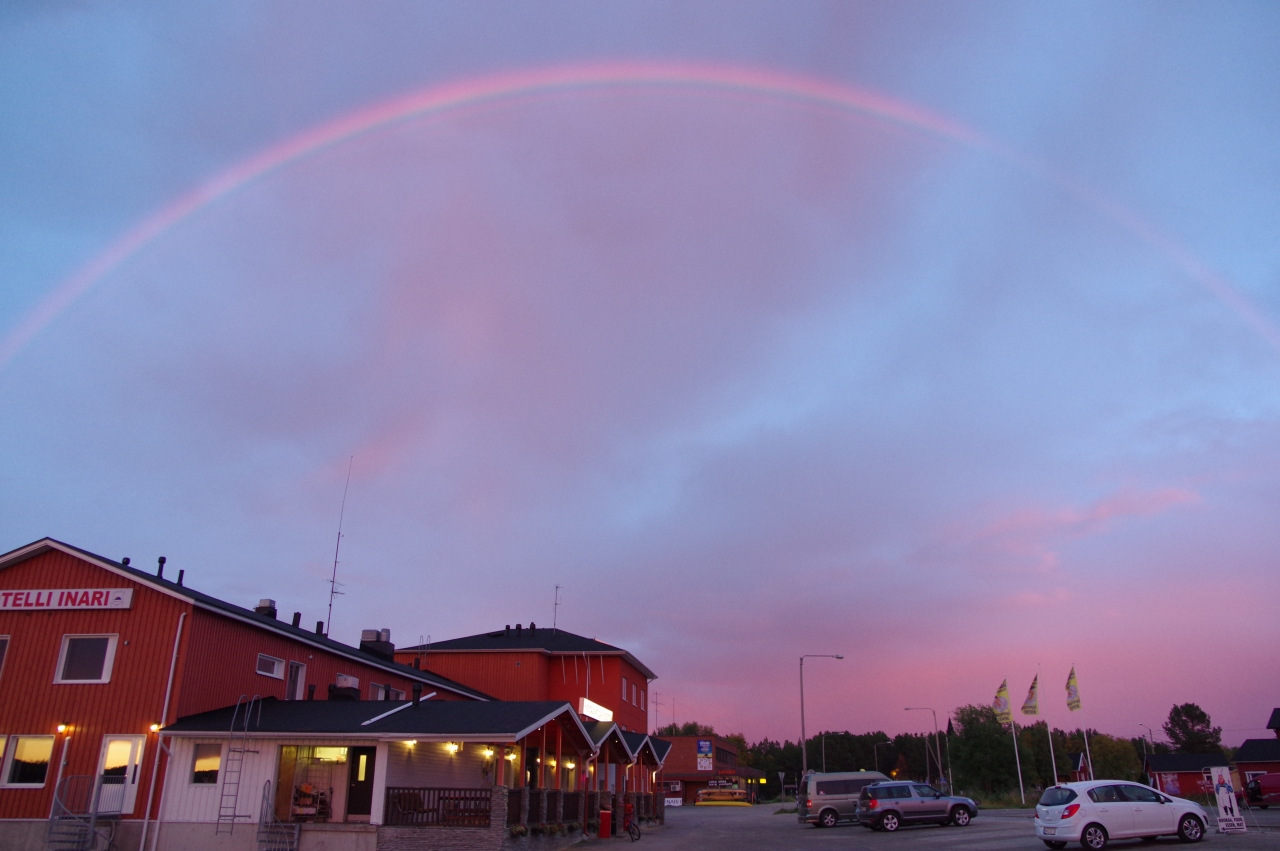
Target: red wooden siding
<point>128,704</point>
<point>506,676</point>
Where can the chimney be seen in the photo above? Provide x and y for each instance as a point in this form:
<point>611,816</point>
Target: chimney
<point>377,642</point>
<point>125,561</point>
<point>311,691</point>
<point>417,693</point>
<point>519,630</point>
<point>508,632</point>
<point>417,663</point>
<point>532,629</point>
<point>386,692</point>
<point>266,607</point>
<point>297,619</point>
<point>181,573</point>
<point>319,627</point>
<point>160,569</point>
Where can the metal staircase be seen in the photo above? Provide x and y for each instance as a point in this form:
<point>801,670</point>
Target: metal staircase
<point>237,747</point>
<point>273,834</point>
<point>79,821</point>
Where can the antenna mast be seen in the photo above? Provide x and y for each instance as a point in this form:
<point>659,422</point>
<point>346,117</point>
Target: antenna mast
<point>555,610</point>
<point>333,580</point>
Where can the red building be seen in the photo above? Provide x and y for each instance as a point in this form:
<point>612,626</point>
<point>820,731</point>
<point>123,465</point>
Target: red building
<point>1260,756</point>
<point>695,763</point>
<point>1182,774</point>
<point>600,681</point>
<point>96,655</point>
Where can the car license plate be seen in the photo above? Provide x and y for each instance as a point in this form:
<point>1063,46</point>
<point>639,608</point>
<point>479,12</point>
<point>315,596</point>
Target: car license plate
<point>1050,831</point>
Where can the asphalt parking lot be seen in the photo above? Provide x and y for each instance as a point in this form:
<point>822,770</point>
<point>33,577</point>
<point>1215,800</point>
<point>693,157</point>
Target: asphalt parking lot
<point>737,828</point>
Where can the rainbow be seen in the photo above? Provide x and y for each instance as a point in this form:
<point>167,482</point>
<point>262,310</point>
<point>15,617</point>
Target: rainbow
<point>500,88</point>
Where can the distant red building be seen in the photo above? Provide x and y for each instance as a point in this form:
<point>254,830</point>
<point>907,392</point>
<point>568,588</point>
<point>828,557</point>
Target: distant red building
<point>95,655</point>
<point>1182,774</point>
<point>695,763</point>
<point>1260,756</point>
<point>545,664</point>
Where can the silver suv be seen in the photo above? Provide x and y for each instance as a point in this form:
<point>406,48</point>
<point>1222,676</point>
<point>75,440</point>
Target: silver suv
<point>888,806</point>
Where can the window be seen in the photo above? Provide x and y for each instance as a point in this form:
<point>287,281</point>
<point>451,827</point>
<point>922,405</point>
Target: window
<point>643,705</point>
<point>270,666</point>
<point>377,691</point>
<point>344,681</point>
<point>634,700</point>
<point>624,689</point>
<point>206,762</point>
<point>27,760</point>
<point>86,659</point>
<point>297,681</point>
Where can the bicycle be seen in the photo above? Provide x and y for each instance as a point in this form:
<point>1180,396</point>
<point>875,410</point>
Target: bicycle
<point>629,823</point>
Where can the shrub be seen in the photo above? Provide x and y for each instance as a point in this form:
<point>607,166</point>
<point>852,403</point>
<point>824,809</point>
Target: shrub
<point>519,830</point>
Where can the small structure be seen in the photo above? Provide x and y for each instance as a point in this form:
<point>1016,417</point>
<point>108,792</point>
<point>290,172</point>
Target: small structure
<point>399,775</point>
<point>1182,774</point>
<point>1079,767</point>
<point>1260,756</point>
<point>705,762</point>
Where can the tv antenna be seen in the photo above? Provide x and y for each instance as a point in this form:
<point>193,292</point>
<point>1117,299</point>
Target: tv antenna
<point>555,609</point>
<point>333,580</point>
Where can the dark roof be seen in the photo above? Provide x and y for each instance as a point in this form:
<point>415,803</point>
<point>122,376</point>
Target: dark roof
<point>240,613</point>
<point>500,720</point>
<point>1259,750</point>
<point>1077,761</point>
<point>550,641</point>
<point>1274,723</point>
<point>1183,761</point>
<point>661,747</point>
<point>599,730</point>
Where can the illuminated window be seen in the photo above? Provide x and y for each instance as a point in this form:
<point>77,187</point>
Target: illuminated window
<point>206,762</point>
<point>270,666</point>
<point>27,760</point>
<point>86,659</point>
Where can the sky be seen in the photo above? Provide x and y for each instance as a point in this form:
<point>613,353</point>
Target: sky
<point>942,336</point>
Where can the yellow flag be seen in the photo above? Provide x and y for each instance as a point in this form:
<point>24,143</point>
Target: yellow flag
<point>1001,705</point>
<point>1031,706</point>
<point>1073,691</point>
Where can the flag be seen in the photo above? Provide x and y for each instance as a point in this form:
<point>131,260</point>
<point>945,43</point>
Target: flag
<point>1031,706</point>
<point>1073,691</point>
<point>1001,705</point>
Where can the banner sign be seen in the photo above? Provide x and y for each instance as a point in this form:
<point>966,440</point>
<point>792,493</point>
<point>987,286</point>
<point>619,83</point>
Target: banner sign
<point>68,598</point>
<point>706,762</point>
<point>1001,704</point>
<point>1073,691</point>
<point>674,802</point>
<point>1229,818</point>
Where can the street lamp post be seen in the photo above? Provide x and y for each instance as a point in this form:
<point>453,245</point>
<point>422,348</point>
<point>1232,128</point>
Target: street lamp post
<point>1151,736</point>
<point>937,744</point>
<point>804,751</point>
<point>875,752</point>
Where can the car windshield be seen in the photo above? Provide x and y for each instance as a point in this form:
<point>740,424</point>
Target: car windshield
<point>1057,796</point>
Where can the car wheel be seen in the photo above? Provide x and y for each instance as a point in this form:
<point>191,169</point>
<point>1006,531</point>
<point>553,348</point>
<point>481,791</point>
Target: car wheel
<point>960,816</point>
<point>1190,829</point>
<point>1094,837</point>
<point>1055,843</point>
<point>890,822</point>
<point>828,818</point>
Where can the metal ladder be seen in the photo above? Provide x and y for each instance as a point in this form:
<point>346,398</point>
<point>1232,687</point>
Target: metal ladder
<point>230,792</point>
<point>273,834</point>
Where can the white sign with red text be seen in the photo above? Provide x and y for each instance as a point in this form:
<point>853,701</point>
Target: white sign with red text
<point>67,598</point>
<point>1229,818</point>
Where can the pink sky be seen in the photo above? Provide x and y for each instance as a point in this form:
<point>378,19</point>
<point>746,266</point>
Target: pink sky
<point>961,365</point>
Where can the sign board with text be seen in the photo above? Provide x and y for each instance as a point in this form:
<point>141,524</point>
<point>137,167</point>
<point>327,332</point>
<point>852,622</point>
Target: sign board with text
<point>1229,818</point>
<point>66,598</point>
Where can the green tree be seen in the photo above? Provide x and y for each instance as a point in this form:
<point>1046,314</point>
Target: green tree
<point>1191,731</point>
<point>1113,758</point>
<point>689,728</point>
<point>982,751</point>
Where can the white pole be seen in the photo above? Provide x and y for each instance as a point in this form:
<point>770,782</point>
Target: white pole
<point>1052,762</point>
<point>1017,759</point>
<point>1086,752</point>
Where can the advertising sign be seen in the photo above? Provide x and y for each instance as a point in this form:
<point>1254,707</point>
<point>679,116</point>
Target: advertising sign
<point>1229,818</point>
<point>674,802</point>
<point>67,598</point>
<point>706,762</point>
<point>591,709</point>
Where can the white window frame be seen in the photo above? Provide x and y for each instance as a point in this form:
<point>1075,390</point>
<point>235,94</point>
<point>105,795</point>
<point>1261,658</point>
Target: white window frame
<point>346,681</point>
<point>6,765</point>
<point>301,690</point>
<point>624,690</point>
<point>278,668</point>
<point>191,775</point>
<point>108,661</point>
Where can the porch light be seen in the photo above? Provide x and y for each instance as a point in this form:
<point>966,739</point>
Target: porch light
<point>410,742</point>
<point>62,728</point>
<point>452,747</point>
<point>571,765</point>
<point>488,753</point>
<point>155,728</point>
<point>511,757</point>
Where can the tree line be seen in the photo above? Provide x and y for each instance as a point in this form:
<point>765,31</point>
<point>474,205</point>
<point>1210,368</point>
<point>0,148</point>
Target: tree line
<point>977,750</point>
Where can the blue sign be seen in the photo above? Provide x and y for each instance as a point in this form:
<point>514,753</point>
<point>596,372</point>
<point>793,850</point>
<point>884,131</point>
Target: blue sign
<point>704,747</point>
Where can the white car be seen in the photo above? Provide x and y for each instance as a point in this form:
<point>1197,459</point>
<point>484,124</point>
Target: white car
<point>1095,812</point>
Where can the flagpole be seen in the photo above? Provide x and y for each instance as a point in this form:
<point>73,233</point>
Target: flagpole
<point>1086,751</point>
<point>1017,759</point>
<point>1048,728</point>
